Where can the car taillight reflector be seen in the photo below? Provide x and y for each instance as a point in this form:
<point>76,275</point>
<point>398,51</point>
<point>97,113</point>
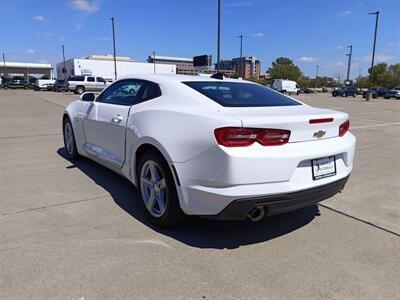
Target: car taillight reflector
<point>317,121</point>
<point>344,128</point>
<point>243,137</point>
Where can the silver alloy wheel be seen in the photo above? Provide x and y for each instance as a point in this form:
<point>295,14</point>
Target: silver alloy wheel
<point>69,138</point>
<point>153,188</point>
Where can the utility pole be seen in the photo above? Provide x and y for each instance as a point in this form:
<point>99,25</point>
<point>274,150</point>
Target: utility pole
<point>373,54</point>
<point>349,62</point>
<point>154,62</point>
<point>219,36</point>
<point>359,77</point>
<point>4,63</point>
<point>115,54</point>
<point>64,68</point>
<point>241,55</point>
<point>316,78</point>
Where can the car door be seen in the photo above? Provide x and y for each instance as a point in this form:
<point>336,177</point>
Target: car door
<point>90,83</point>
<point>106,119</point>
<point>100,83</point>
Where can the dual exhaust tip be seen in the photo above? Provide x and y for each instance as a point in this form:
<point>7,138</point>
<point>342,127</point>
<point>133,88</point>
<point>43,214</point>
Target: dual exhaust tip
<point>256,214</point>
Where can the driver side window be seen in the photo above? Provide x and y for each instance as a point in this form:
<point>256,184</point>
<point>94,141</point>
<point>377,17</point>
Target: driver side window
<point>123,92</point>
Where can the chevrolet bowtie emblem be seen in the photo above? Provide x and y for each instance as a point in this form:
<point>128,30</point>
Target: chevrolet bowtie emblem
<point>319,134</point>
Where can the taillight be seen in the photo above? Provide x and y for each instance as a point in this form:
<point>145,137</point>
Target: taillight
<point>243,137</point>
<point>344,128</point>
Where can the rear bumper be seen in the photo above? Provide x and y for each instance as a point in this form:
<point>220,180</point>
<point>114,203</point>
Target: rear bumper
<point>281,203</point>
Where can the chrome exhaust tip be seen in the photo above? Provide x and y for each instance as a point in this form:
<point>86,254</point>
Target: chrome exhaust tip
<point>256,214</point>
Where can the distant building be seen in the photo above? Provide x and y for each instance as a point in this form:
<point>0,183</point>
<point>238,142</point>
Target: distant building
<point>183,65</point>
<point>103,66</point>
<point>246,67</point>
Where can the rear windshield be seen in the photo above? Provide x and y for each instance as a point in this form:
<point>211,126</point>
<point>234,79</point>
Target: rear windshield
<point>234,94</point>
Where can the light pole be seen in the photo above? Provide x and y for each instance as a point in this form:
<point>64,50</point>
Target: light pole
<point>373,54</point>
<point>115,55</point>
<point>64,68</point>
<point>359,77</point>
<point>4,63</point>
<point>219,36</point>
<point>316,78</point>
<point>241,55</point>
<point>154,62</point>
<point>349,62</point>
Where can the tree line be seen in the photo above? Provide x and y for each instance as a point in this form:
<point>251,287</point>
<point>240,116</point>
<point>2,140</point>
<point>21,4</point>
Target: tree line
<point>284,68</point>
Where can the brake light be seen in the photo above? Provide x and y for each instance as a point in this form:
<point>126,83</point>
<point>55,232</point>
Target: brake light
<point>243,137</point>
<point>317,121</point>
<point>344,128</point>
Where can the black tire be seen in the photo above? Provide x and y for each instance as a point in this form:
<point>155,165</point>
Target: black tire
<point>72,153</point>
<point>79,89</point>
<point>354,95</point>
<point>173,213</point>
<point>334,95</point>
<point>344,95</point>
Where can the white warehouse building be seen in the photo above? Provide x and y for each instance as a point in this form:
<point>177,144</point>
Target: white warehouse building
<point>103,66</point>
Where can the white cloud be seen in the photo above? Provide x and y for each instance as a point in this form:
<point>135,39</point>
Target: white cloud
<point>84,5</point>
<point>339,47</point>
<point>30,51</point>
<point>39,18</point>
<point>392,44</point>
<point>379,57</point>
<point>45,34</point>
<point>333,65</point>
<point>43,61</point>
<point>307,59</point>
<point>345,13</point>
<point>257,34</point>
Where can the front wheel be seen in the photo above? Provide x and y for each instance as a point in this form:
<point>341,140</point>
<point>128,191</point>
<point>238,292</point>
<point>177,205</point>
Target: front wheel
<point>79,90</point>
<point>69,139</point>
<point>157,191</point>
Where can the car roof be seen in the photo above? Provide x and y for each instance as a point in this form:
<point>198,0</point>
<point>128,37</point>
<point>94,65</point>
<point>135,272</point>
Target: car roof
<point>174,78</point>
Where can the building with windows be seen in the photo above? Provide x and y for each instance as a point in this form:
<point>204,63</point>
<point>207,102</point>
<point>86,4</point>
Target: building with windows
<point>183,65</point>
<point>103,66</point>
<point>245,67</point>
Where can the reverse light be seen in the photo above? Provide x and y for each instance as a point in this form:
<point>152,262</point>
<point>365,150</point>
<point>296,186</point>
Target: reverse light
<point>344,128</point>
<point>243,137</point>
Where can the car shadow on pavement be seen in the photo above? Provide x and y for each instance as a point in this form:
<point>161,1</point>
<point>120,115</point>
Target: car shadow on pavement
<point>196,232</point>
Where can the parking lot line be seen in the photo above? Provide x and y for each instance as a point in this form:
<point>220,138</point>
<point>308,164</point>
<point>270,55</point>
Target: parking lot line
<point>375,125</point>
<point>373,112</point>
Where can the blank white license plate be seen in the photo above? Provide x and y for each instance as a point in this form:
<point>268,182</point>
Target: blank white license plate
<point>323,167</point>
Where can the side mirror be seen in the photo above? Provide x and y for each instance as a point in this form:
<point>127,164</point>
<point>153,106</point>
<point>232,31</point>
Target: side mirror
<point>88,97</point>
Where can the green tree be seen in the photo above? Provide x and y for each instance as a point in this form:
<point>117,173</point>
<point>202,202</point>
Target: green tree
<point>394,75</point>
<point>380,75</point>
<point>284,68</point>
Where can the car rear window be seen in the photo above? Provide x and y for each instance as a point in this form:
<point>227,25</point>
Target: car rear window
<point>237,94</point>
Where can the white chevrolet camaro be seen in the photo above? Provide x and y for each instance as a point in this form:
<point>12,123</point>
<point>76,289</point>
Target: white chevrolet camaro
<point>213,147</point>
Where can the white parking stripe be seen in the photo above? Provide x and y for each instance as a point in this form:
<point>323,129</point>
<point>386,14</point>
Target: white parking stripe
<point>374,112</point>
<point>375,125</point>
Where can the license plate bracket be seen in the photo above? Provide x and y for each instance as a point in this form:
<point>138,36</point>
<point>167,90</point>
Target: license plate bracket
<point>323,167</point>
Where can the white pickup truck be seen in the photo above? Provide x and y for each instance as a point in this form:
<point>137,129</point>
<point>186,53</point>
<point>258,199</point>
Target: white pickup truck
<point>41,84</point>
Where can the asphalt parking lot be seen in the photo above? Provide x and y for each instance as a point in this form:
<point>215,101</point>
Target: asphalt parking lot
<point>73,230</point>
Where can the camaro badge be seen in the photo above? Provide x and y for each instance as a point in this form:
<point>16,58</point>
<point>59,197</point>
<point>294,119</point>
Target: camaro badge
<point>319,134</point>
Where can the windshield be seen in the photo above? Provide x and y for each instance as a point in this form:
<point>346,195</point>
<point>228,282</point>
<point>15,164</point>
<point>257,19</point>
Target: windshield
<point>235,94</point>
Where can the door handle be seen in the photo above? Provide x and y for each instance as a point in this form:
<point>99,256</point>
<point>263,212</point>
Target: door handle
<point>116,119</point>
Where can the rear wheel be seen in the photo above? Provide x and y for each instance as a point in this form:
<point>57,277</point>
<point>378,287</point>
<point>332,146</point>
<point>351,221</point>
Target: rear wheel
<point>157,191</point>
<point>79,89</point>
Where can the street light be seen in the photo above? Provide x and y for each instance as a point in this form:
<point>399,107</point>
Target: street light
<point>219,36</point>
<point>316,78</point>
<point>64,69</point>
<point>373,54</point>
<point>349,62</point>
<point>241,55</point>
<point>115,55</point>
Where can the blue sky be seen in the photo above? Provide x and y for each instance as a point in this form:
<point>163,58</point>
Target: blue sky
<point>309,32</point>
